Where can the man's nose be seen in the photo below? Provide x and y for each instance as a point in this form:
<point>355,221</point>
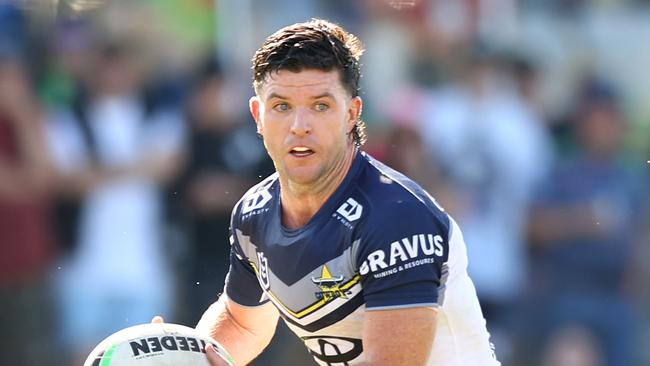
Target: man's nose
<point>300,124</point>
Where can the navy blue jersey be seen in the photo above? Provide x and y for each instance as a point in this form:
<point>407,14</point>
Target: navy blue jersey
<point>379,242</point>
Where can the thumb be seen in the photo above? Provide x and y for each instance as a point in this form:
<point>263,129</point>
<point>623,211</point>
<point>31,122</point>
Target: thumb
<point>157,319</point>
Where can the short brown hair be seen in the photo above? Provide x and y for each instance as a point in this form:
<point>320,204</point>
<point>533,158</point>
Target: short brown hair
<point>317,44</point>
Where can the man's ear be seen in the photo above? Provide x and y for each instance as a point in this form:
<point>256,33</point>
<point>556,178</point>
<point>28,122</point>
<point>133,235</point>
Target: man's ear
<point>254,105</point>
<point>354,112</point>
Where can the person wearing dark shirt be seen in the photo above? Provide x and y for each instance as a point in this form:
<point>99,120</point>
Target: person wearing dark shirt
<point>225,158</point>
<point>586,223</point>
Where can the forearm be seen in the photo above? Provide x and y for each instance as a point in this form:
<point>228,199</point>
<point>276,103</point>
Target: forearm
<point>10,181</point>
<point>161,167</point>
<point>37,165</point>
<point>243,343</point>
<point>30,173</point>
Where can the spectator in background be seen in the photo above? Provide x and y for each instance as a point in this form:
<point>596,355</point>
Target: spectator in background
<point>493,148</point>
<point>26,244</point>
<point>586,223</point>
<point>404,147</point>
<point>406,152</point>
<point>116,150</point>
<point>225,158</point>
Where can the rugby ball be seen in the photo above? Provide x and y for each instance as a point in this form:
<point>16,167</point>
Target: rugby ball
<point>155,344</point>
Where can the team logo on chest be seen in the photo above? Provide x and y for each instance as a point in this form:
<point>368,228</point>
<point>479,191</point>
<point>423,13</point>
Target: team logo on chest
<point>330,286</point>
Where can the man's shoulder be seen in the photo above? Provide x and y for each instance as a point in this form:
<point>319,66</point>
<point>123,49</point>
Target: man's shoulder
<point>393,197</point>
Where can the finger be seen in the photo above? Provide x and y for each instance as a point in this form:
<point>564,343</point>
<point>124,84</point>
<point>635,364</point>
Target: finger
<point>157,319</point>
<point>214,358</point>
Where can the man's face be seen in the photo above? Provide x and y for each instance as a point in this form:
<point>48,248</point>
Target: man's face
<point>601,130</point>
<point>305,118</point>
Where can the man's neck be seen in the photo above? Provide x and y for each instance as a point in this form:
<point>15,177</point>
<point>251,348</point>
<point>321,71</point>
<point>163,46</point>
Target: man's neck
<point>300,204</point>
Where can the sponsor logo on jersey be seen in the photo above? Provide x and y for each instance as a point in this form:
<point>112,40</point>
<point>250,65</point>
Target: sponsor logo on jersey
<point>148,345</point>
<point>351,210</point>
<point>348,212</point>
<point>404,254</point>
<point>330,286</point>
<point>254,204</point>
<point>334,351</point>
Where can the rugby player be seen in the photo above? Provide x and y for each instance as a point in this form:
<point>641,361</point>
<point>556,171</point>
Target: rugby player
<point>358,260</point>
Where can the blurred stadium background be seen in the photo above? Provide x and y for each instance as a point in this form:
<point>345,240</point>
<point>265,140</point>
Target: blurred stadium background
<point>125,140</point>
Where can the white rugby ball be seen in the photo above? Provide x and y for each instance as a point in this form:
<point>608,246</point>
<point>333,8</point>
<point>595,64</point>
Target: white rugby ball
<point>154,344</point>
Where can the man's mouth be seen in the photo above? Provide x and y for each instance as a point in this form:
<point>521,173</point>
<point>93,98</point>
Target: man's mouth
<point>301,151</point>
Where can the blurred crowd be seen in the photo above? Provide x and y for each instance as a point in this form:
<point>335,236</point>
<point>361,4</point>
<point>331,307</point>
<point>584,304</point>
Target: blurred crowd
<point>125,141</point>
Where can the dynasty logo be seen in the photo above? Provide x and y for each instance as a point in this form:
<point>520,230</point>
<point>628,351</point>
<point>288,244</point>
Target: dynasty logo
<point>330,287</point>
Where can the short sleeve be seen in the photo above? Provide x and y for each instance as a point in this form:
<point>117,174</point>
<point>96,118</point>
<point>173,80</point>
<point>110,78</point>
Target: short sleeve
<point>401,256</point>
<point>241,284</point>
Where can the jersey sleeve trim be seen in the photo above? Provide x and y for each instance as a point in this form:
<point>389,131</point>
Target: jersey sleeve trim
<point>405,306</point>
<point>399,297</point>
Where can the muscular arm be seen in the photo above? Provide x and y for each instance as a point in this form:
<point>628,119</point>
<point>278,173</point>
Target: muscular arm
<point>243,331</point>
<point>399,336</point>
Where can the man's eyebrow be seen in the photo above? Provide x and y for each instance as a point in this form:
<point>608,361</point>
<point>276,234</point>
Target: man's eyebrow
<point>276,95</point>
<point>319,96</point>
<point>324,95</point>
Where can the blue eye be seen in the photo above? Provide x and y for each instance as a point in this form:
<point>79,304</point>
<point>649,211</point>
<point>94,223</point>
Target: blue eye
<point>281,107</point>
<point>321,107</point>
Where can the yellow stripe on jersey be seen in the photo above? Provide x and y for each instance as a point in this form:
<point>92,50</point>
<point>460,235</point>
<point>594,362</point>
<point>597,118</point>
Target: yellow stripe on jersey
<point>313,307</point>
